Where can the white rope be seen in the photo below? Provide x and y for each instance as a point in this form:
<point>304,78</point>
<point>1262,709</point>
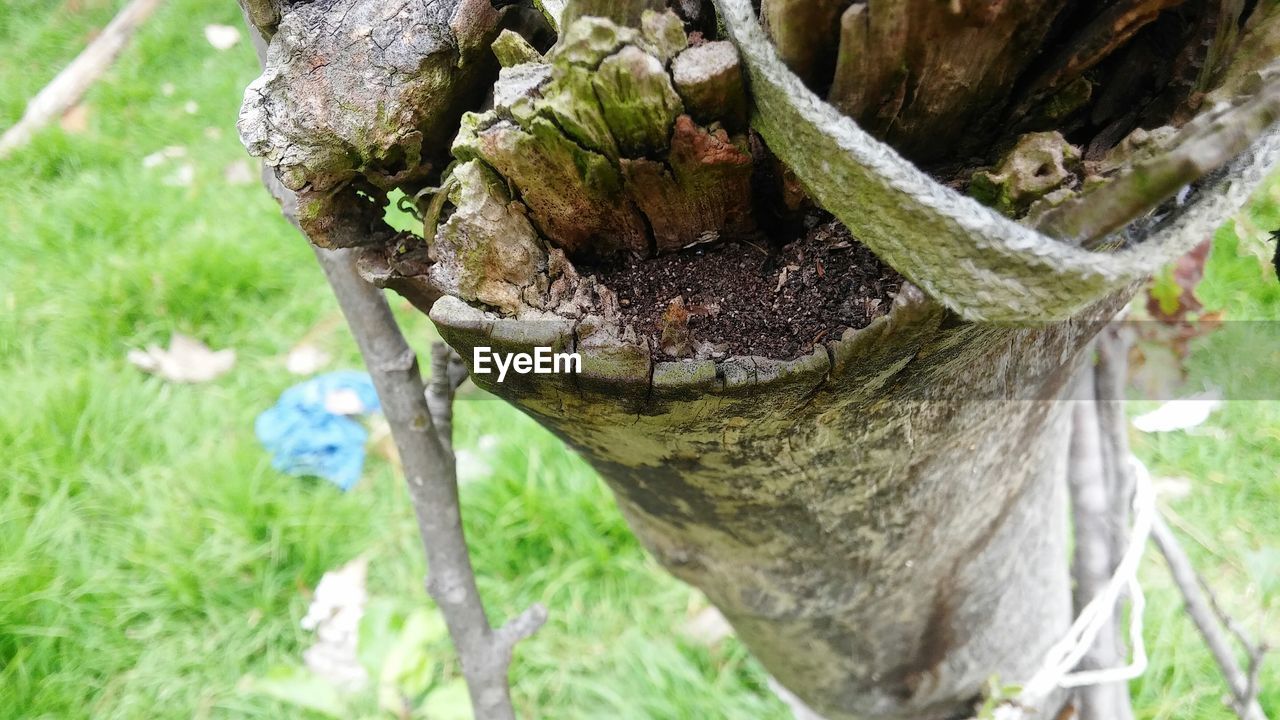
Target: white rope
<point>1056,671</point>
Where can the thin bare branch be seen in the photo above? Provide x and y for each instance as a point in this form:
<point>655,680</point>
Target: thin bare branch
<point>1095,514</point>
<point>428,461</point>
<point>1202,146</point>
<point>1110,379</point>
<point>447,373</point>
<point>429,470</point>
<point>65,90</point>
<point>1243,687</point>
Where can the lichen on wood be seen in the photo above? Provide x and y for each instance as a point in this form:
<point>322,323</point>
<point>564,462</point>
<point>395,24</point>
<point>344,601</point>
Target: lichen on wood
<point>899,71</point>
<point>709,80</point>
<point>512,49</point>
<point>596,142</point>
<point>574,195</point>
<point>487,251</point>
<point>639,103</point>
<point>1037,165</point>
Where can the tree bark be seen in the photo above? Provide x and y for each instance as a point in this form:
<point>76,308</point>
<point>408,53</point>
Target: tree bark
<point>883,525</point>
<point>1096,553</point>
<point>883,521</point>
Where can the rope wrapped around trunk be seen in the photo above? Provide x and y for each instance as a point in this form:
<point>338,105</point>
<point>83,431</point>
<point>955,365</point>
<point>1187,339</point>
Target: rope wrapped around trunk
<point>975,261</point>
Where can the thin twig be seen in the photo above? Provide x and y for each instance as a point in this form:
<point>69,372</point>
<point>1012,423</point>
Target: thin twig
<point>65,90</point>
<point>428,462</point>
<point>447,373</point>
<point>1110,379</point>
<point>1202,145</point>
<point>1244,689</point>
<point>429,470</point>
<point>1100,519</point>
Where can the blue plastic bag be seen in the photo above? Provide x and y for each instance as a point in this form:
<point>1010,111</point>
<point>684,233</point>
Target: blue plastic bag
<point>305,438</point>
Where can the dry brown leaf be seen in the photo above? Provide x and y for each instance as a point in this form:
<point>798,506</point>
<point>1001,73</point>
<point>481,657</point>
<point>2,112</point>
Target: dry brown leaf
<point>186,360</point>
<point>306,359</point>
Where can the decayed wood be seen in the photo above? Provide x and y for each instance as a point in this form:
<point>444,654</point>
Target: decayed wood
<point>709,80</point>
<point>980,264</point>
<point>599,146</point>
<point>897,72</point>
<point>702,185</point>
<point>1038,164</point>
<point>1027,65</point>
<point>487,251</point>
<point>1109,30</point>
<point>871,69</point>
<point>512,49</point>
<point>1258,47</point>
<point>805,32</point>
<point>368,91</point>
<point>70,85</point>
<point>625,12</point>
<point>1201,147</point>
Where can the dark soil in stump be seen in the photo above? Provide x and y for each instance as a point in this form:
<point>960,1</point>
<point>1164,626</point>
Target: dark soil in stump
<point>748,298</point>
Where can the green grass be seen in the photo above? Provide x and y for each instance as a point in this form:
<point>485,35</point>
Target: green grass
<point>150,558</point>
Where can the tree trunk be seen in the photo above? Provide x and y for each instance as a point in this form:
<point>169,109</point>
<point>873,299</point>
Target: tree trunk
<point>882,525</point>
<point>883,518</point>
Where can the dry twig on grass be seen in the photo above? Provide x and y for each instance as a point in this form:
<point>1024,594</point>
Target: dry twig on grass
<point>70,85</point>
<point>1209,619</point>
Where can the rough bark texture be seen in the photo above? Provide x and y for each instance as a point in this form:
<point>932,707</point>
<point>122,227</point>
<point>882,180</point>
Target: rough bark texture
<point>599,143</point>
<point>890,507</point>
<point>883,520</point>
<point>298,115</point>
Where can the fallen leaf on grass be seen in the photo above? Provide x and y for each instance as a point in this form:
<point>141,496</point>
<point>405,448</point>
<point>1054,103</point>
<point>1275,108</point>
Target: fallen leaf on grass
<point>158,157</point>
<point>182,177</point>
<point>306,359</point>
<point>1172,488</point>
<point>221,37</point>
<point>186,360</point>
<point>334,615</point>
<point>1180,414</point>
<point>474,464</point>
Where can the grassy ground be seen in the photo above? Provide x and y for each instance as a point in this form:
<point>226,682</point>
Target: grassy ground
<point>150,558</point>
